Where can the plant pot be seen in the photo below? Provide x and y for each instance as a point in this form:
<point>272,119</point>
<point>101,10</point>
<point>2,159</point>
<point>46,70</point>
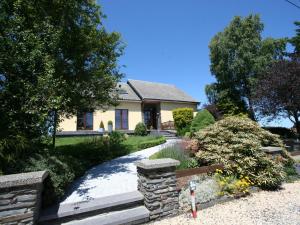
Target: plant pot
<point>101,130</point>
<point>110,128</point>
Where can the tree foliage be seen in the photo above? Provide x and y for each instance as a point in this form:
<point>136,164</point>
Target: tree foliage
<point>55,56</point>
<point>238,55</point>
<point>277,91</point>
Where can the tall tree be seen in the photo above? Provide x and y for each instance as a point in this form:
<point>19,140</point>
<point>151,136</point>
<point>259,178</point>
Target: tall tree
<point>55,57</point>
<point>277,92</point>
<point>295,41</point>
<point>238,55</point>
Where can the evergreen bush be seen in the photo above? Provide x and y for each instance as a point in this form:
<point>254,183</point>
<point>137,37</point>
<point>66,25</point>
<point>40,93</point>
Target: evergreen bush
<point>236,143</point>
<point>202,120</point>
<point>140,129</point>
<point>182,120</point>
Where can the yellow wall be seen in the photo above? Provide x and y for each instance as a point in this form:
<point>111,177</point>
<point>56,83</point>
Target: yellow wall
<point>134,117</point>
<point>167,107</point>
<point>68,124</point>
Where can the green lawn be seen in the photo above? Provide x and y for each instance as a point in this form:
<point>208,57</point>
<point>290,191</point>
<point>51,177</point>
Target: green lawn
<point>62,141</point>
<point>132,143</point>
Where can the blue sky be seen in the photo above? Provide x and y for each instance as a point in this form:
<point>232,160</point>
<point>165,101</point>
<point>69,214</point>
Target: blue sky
<point>167,40</point>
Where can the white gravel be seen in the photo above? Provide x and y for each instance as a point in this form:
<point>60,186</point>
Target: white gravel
<point>113,177</point>
<point>262,208</point>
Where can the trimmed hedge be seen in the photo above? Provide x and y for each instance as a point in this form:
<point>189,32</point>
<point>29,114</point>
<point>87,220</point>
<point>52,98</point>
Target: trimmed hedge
<point>151,143</point>
<point>182,120</point>
<point>202,120</point>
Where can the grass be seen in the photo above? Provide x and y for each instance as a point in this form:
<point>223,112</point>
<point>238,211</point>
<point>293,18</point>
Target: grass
<point>62,141</point>
<point>177,153</point>
<point>132,143</point>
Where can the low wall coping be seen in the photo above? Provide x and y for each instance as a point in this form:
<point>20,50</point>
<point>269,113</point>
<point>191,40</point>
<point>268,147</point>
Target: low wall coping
<point>157,163</point>
<point>272,149</point>
<point>21,179</point>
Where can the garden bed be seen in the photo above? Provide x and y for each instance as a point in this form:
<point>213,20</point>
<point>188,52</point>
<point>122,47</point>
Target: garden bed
<point>208,192</point>
<point>184,176</point>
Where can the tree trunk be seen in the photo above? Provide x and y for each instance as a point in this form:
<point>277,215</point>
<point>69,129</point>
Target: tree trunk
<point>54,128</point>
<point>297,125</point>
<point>251,110</point>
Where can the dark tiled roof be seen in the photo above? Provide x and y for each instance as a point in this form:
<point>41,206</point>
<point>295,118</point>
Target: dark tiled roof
<point>159,91</point>
<point>126,92</point>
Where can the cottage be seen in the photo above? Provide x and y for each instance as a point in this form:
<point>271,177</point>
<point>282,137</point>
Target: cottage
<point>139,101</point>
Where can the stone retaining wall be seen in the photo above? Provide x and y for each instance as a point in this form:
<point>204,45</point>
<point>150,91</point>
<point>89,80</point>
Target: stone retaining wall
<point>157,182</point>
<point>20,197</point>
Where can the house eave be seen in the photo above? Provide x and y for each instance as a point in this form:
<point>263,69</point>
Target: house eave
<point>128,100</point>
<point>168,100</point>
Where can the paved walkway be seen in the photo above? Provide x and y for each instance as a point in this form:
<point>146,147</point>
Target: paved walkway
<point>113,177</point>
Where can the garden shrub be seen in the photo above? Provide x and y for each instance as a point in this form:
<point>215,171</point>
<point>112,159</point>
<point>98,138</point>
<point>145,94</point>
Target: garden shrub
<point>202,120</point>
<point>116,137</point>
<point>182,120</point>
<point>140,129</point>
<point>230,185</point>
<point>151,143</point>
<point>116,146</point>
<point>101,125</point>
<point>236,143</point>
<point>177,153</point>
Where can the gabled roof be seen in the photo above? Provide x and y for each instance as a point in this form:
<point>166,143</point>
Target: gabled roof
<point>158,91</point>
<point>126,93</point>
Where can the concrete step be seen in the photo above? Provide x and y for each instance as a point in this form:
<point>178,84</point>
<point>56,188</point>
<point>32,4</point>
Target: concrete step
<point>80,210</point>
<point>135,215</point>
<point>169,135</point>
<point>169,138</point>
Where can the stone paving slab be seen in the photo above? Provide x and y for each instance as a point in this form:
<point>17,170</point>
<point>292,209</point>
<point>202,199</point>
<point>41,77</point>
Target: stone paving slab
<point>95,206</point>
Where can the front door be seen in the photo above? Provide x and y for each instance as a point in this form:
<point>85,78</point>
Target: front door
<point>150,118</point>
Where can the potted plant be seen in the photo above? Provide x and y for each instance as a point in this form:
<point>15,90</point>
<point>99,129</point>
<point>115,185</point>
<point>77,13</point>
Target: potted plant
<point>110,126</point>
<point>101,127</point>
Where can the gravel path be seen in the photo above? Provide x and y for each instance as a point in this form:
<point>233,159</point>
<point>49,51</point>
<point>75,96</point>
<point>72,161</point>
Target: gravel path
<point>262,208</point>
<point>113,177</point>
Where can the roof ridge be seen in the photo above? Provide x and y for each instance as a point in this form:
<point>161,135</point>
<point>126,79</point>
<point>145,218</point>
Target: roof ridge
<point>153,82</point>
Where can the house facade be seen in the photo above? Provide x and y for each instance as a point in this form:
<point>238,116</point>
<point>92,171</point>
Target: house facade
<point>139,101</point>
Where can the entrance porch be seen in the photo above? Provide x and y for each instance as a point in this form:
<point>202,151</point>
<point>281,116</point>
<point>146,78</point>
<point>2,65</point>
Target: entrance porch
<point>151,115</point>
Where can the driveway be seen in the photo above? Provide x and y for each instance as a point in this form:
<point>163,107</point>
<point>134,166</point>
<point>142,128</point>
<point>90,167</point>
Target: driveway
<point>113,177</point>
